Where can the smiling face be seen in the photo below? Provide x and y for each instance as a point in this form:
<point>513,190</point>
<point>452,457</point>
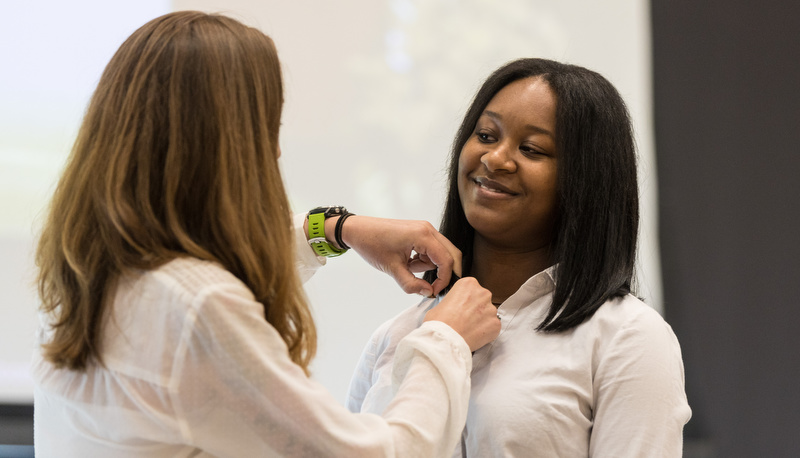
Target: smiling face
<point>507,167</point>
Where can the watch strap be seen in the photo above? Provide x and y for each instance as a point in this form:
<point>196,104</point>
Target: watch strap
<point>316,236</point>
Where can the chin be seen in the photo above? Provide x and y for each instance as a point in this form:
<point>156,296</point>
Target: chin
<point>488,226</point>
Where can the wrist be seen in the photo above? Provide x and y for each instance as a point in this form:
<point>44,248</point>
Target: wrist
<point>323,228</point>
<point>330,231</point>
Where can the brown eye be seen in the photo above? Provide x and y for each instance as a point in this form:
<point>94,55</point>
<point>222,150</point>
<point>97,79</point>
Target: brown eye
<point>531,152</point>
<point>484,137</point>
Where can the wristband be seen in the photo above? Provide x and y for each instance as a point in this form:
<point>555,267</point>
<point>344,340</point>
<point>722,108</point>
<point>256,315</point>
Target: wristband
<point>316,230</point>
<point>338,230</point>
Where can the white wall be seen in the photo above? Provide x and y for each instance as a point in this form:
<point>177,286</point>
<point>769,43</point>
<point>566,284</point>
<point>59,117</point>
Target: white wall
<point>375,91</point>
<point>51,54</point>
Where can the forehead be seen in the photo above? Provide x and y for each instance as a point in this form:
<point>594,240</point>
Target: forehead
<point>530,98</point>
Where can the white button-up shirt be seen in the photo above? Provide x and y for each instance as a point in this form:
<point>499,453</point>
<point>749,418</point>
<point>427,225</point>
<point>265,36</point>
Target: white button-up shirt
<point>611,387</point>
<point>192,368</point>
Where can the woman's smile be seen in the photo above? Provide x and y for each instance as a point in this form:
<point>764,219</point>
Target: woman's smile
<point>492,189</point>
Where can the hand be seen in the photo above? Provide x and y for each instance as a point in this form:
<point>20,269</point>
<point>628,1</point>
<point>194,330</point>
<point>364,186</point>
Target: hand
<point>389,244</point>
<point>468,309</point>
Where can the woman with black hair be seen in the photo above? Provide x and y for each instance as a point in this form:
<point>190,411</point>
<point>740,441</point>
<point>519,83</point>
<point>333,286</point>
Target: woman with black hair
<point>543,204</point>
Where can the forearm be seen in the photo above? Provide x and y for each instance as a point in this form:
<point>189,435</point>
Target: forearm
<point>279,411</point>
<point>400,248</point>
<point>431,368</point>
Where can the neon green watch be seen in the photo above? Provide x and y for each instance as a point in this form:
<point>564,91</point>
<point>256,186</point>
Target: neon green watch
<point>316,230</point>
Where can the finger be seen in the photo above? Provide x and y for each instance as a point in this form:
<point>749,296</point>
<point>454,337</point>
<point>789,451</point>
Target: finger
<point>444,277</point>
<point>454,252</point>
<point>446,257</point>
<point>440,283</point>
<point>420,263</point>
<point>420,266</point>
<point>409,283</point>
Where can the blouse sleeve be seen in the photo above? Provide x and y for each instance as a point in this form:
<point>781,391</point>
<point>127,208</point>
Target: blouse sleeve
<point>362,379</point>
<point>640,402</point>
<point>237,393</point>
<point>372,385</point>
<point>306,260</point>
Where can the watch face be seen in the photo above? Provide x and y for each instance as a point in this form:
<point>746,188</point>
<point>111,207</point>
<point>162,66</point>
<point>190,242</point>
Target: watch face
<point>329,211</point>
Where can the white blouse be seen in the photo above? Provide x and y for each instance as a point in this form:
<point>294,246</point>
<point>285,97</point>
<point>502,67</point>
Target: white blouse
<point>192,368</point>
<point>611,387</point>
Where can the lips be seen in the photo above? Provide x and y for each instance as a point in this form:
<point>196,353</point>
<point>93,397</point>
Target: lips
<point>493,186</point>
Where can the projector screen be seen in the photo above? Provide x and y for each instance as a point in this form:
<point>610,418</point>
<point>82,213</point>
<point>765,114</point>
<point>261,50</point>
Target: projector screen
<point>374,93</point>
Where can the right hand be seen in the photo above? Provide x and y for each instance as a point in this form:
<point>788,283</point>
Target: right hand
<point>468,309</point>
<point>387,245</point>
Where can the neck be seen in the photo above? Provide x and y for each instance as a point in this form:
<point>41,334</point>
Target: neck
<point>502,270</point>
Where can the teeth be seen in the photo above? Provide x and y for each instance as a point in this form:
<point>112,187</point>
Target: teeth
<point>489,189</point>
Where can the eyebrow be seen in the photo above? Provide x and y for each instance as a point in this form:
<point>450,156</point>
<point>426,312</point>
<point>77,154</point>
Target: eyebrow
<point>498,117</point>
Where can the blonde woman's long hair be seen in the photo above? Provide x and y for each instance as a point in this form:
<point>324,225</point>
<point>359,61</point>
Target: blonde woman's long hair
<point>177,156</point>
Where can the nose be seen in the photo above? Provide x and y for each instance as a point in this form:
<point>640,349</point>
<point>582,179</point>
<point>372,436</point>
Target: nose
<point>499,158</point>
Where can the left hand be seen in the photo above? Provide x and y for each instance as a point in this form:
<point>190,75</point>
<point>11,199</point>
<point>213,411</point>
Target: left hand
<point>389,246</point>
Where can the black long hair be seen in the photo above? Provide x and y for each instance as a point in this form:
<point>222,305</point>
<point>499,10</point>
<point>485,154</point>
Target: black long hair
<point>594,248</point>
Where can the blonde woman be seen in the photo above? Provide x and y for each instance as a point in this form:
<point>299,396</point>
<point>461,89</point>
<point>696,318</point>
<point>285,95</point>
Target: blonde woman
<point>173,319</point>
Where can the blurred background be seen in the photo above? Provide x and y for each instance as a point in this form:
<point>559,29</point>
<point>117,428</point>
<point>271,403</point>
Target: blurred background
<point>374,93</point>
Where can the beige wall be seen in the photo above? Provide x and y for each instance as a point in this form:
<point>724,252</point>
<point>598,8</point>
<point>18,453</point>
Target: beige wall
<point>375,91</point>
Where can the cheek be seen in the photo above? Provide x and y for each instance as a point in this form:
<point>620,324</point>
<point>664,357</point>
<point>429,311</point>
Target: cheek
<point>550,188</point>
<point>551,193</point>
<point>542,188</point>
<point>463,171</point>
<point>469,159</point>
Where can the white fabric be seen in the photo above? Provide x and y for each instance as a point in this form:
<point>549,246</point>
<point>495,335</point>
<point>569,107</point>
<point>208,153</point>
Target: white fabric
<point>306,260</point>
<point>612,387</point>
<point>193,369</point>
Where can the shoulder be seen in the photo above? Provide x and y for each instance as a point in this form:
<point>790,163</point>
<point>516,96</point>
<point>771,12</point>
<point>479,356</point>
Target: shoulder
<point>176,294</point>
<point>186,280</point>
<point>630,316</point>
<point>156,312</point>
<point>627,330</point>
